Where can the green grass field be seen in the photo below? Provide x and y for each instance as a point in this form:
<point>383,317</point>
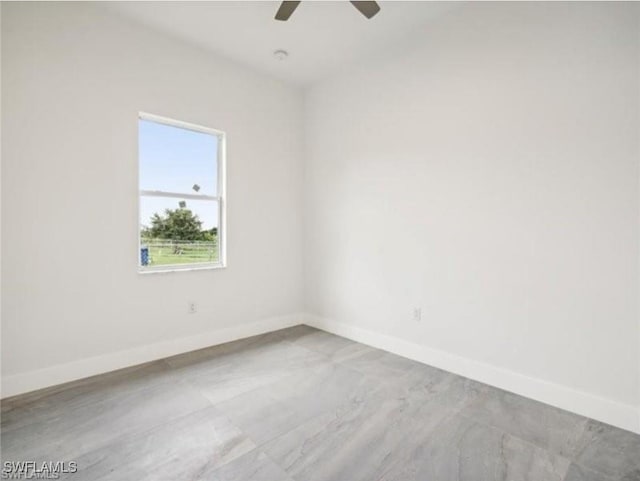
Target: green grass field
<point>163,253</point>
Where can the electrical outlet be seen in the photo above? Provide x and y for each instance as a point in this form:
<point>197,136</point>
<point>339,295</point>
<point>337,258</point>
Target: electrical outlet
<point>193,308</point>
<point>417,314</point>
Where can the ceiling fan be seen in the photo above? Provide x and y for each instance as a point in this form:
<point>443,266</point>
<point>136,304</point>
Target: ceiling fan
<point>368,9</point>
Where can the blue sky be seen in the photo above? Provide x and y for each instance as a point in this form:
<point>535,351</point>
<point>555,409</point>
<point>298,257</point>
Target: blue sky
<point>173,159</point>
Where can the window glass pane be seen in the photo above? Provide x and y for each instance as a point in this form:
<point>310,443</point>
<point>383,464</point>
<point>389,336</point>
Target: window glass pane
<point>175,231</point>
<point>174,159</point>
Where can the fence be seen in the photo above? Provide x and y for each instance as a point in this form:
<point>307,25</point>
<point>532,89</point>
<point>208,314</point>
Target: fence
<point>164,252</point>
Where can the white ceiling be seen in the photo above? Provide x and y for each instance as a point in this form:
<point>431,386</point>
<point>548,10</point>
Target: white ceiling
<point>322,37</point>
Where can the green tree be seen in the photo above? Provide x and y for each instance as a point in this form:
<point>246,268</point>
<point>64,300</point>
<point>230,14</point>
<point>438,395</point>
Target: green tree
<point>210,235</point>
<point>175,224</point>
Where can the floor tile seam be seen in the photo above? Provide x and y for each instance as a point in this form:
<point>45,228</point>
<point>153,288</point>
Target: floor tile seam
<point>204,371</point>
<point>80,381</point>
<point>534,446</point>
<point>190,381</point>
<point>217,404</point>
<point>306,348</point>
<point>186,374</point>
<point>607,477</point>
<point>331,412</point>
<point>572,458</point>
<point>142,432</point>
<point>263,451</point>
<point>101,402</point>
<point>569,459</point>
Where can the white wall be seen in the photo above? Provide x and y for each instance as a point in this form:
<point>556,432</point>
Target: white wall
<point>489,175</point>
<point>73,81</point>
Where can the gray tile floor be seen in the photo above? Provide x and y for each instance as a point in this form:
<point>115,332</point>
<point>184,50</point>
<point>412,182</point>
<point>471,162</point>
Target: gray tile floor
<point>304,405</point>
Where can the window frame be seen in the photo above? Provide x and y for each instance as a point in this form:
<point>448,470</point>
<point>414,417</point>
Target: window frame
<point>220,198</point>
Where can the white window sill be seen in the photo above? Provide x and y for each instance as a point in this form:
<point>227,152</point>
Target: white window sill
<point>179,268</point>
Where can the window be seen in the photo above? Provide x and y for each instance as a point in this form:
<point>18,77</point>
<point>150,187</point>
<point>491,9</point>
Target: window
<point>181,204</point>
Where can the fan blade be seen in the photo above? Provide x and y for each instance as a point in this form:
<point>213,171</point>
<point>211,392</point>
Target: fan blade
<point>286,9</point>
<point>368,9</point>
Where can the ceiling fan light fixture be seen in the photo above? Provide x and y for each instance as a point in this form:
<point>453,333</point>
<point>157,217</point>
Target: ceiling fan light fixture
<point>368,8</point>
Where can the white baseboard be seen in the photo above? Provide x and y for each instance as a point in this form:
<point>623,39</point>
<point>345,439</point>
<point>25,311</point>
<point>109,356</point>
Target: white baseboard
<point>61,373</point>
<point>625,416</point>
<point>622,415</point>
